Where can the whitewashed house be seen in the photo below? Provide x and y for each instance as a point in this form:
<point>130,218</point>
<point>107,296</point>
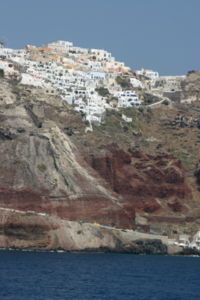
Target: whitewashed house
<point>6,53</point>
<point>183,240</point>
<point>78,50</point>
<point>100,54</point>
<point>97,75</point>
<point>150,74</point>
<point>27,79</point>
<point>128,99</point>
<point>60,46</point>
<point>196,241</point>
<point>136,83</point>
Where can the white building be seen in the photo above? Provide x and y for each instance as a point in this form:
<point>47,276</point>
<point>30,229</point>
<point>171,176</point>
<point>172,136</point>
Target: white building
<point>60,46</point>
<point>196,241</point>
<point>6,53</point>
<point>78,50</point>
<point>128,99</point>
<point>183,240</point>
<point>100,55</point>
<point>136,83</point>
<point>28,79</point>
<point>75,73</point>
<point>97,75</point>
<point>150,74</point>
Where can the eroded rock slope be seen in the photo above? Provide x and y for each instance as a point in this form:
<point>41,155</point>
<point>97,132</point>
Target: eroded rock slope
<point>119,174</point>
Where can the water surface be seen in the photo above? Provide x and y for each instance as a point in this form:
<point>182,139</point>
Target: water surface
<point>75,276</point>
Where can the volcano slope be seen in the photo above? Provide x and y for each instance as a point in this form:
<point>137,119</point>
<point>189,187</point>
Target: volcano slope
<point>140,175</point>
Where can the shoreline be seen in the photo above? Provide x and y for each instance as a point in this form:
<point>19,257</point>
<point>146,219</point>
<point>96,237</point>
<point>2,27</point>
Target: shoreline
<point>93,251</point>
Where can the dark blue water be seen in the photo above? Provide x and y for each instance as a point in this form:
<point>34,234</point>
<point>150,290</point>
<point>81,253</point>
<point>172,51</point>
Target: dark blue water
<point>59,276</point>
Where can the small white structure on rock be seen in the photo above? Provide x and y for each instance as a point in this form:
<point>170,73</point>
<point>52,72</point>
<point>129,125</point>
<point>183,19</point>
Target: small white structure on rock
<point>150,74</point>
<point>128,99</point>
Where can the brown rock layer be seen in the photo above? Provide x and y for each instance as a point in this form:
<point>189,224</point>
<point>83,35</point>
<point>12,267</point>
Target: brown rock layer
<point>144,181</point>
<point>49,165</point>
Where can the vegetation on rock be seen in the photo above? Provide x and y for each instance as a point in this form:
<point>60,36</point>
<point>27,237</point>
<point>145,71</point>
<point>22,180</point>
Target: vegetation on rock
<point>124,82</point>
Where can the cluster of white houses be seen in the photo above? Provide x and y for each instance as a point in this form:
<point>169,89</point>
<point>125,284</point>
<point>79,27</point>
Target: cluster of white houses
<point>75,73</point>
<point>188,241</point>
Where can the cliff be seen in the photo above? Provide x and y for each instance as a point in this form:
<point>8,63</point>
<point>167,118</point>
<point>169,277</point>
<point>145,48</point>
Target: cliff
<point>19,230</point>
<point>140,176</point>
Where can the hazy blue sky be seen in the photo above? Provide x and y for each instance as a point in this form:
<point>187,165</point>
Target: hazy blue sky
<point>163,35</point>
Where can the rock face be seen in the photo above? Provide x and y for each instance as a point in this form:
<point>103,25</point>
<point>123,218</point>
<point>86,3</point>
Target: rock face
<point>151,247</point>
<point>31,231</point>
<point>42,169</point>
<point>191,85</point>
<point>144,181</point>
<point>182,121</point>
<point>197,173</point>
<point>47,165</point>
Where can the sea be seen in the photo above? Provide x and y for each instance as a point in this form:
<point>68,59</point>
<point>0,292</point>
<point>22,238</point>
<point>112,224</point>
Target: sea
<point>99,276</point>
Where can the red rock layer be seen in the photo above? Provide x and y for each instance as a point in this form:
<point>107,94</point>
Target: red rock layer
<point>86,208</point>
<point>144,181</point>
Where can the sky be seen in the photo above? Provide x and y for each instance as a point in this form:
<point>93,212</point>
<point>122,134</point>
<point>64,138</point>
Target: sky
<point>163,35</point>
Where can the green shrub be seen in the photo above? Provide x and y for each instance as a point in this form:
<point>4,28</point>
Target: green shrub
<point>102,91</point>
<point>1,73</point>
<point>42,167</point>
<point>124,82</point>
<point>184,157</point>
<point>165,102</point>
<point>141,109</point>
<point>150,98</point>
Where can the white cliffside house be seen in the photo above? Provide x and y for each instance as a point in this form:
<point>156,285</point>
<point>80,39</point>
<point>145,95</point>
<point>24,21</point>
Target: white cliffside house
<point>91,104</point>
<point>28,79</point>
<point>60,46</point>
<point>100,55</point>
<point>128,99</point>
<point>97,75</point>
<point>195,244</point>
<point>150,74</point>
<point>9,70</point>
<point>136,83</point>
<point>74,73</point>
